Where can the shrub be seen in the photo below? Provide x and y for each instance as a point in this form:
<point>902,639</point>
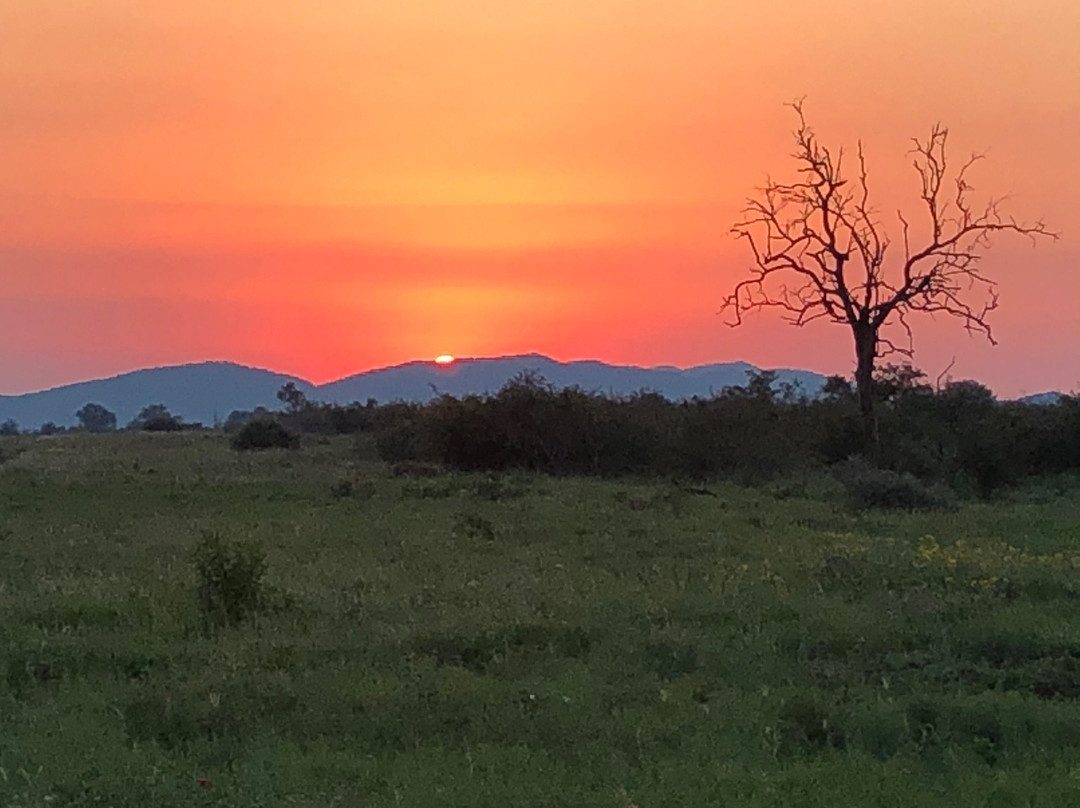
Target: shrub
<point>474,526</point>
<point>163,424</point>
<point>958,436</point>
<point>353,488</point>
<point>400,442</point>
<point>415,470</point>
<point>264,433</point>
<point>871,487</point>
<point>807,725</point>
<point>156,418</point>
<point>341,489</point>
<point>238,418</point>
<point>494,488</point>
<point>230,579</point>
<point>94,418</point>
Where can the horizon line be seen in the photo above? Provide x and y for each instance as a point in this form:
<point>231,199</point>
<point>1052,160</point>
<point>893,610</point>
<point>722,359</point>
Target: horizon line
<point>431,362</point>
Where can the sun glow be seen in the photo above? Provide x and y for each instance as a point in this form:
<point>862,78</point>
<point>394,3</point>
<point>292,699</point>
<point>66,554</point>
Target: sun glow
<point>444,359</point>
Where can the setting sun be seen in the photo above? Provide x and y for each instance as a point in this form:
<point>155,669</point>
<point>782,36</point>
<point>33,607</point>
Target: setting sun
<point>444,359</point>
<point>510,178</point>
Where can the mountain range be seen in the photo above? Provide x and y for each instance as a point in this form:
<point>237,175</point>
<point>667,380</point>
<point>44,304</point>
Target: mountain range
<point>207,392</point>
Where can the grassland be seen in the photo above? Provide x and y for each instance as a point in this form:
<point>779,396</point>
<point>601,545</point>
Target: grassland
<point>463,640</point>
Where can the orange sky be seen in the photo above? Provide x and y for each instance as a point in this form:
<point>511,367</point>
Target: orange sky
<point>321,188</point>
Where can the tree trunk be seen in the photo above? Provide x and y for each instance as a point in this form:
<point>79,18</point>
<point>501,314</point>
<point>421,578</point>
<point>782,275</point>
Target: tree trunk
<point>865,354</point>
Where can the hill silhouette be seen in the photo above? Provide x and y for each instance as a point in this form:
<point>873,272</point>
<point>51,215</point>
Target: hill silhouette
<point>208,391</point>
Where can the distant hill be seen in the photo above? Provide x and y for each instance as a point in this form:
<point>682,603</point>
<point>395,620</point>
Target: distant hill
<point>1052,397</point>
<point>422,381</point>
<point>207,391</point>
<point>197,392</point>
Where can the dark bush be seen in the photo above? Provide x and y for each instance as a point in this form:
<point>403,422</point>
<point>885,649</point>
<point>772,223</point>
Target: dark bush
<point>164,424</point>
<point>264,433</point>
<point>156,418</point>
<point>237,418</point>
<point>495,488</point>
<point>230,579</point>
<point>474,526</point>
<point>958,437</point>
<point>341,489</point>
<point>807,725</point>
<point>415,469</point>
<point>95,418</point>
<point>871,487</point>
<point>401,432</point>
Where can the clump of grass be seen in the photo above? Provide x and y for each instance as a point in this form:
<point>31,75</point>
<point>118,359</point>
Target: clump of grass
<point>230,579</point>
<point>474,526</point>
<point>341,489</point>
<point>870,487</point>
<point>414,469</point>
<point>429,489</point>
<point>807,725</point>
<point>495,488</point>
<point>352,489</point>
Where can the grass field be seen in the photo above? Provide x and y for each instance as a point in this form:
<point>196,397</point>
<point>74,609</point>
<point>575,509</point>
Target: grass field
<point>468,640</point>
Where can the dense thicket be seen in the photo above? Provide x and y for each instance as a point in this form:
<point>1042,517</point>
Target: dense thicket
<point>264,433</point>
<point>957,434</point>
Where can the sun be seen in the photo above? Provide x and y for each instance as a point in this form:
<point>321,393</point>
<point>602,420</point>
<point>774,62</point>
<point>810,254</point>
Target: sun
<point>444,359</point>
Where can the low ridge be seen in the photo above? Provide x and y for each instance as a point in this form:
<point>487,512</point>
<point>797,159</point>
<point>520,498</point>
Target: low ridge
<point>207,392</point>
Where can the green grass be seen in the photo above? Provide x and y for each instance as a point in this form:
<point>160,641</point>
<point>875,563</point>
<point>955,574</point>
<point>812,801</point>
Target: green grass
<point>465,640</point>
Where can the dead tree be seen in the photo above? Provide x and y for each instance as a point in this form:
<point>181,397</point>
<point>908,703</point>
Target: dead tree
<point>820,252</point>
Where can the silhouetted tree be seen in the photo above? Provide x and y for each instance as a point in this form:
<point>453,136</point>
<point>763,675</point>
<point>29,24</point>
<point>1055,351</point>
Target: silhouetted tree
<point>237,418</point>
<point>9,428</point>
<point>157,418</point>
<point>836,388</point>
<point>892,381</point>
<point>95,418</point>
<point>820,252</point>
<point>293,398</point>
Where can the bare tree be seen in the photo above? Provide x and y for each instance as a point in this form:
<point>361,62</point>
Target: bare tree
<point>820,252</point>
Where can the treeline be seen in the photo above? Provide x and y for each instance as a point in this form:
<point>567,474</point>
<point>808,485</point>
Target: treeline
<point>958,434</point>
<point>95,417</point>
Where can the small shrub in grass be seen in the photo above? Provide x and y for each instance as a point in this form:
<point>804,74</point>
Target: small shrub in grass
<point>264,433</point>
<point>870,487</point>
<point>807,725</point>
<point>494,488</point>
<point>414,469</point>
<point>925,724</point>
<point>23,674</point>
<point>880,730</point>
<point>429,489</point>
<point>672,660</point>
<point>474,526</point>
<point>847,575</point>
<point>230,579</point>
<point>341,489</point>
<point>982,729</point>
<point>352,489</point>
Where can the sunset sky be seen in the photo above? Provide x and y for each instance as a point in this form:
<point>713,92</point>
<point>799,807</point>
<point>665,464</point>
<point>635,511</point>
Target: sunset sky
<point>325,187</point>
